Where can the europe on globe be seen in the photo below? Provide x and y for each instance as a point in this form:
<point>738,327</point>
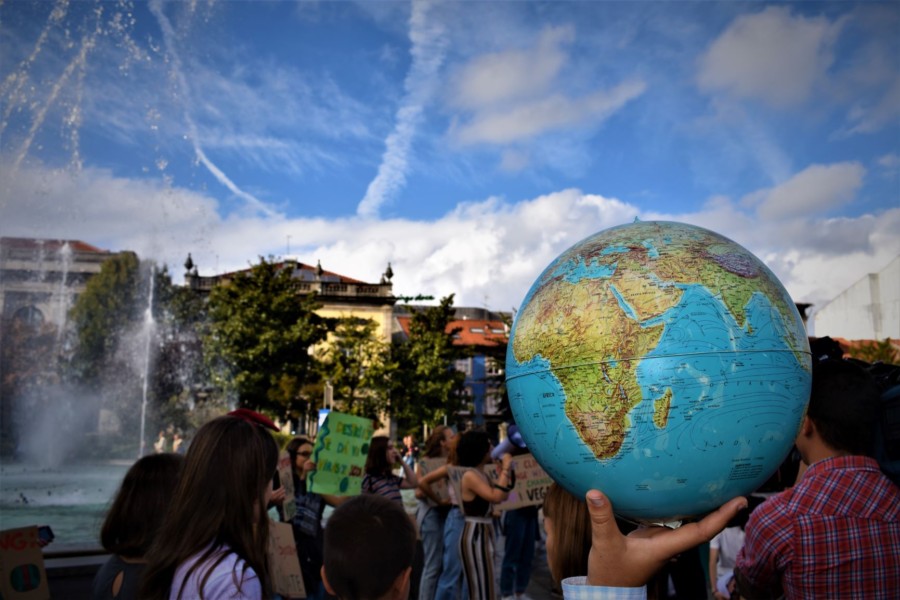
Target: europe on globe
<point>661,363</point>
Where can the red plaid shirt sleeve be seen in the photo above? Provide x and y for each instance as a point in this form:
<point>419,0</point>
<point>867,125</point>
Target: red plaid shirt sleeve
<point>835,535</point>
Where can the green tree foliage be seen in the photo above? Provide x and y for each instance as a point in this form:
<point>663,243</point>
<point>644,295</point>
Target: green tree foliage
<point>112,302</point>
<point>425,386</point>
<point>357,363</point>
<point>260,329</point>
<point>877,351</point>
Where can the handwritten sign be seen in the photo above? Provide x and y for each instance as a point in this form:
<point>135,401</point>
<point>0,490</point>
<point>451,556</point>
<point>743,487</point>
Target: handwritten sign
<point>284,566</point>
<point>22,574</point>
<point>286,475</point>
<point>532,483</point>
<point>340,453</point>
<point>439,487</point>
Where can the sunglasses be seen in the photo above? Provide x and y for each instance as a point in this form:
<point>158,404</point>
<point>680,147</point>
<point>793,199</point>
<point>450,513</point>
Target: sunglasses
<point>304,454</point>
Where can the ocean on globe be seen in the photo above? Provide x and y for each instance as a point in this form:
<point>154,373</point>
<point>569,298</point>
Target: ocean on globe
<point>661,363</point>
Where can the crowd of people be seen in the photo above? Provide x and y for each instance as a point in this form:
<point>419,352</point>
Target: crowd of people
<point>197,526</point>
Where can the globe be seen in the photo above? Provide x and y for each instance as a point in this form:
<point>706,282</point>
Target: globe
<point>661,363</point>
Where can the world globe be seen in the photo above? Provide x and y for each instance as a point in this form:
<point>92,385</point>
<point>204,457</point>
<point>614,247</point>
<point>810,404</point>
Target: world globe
<point>662,364</point>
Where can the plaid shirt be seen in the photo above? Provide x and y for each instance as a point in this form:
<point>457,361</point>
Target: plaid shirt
<point>836,534</point>
<point>577,588</point>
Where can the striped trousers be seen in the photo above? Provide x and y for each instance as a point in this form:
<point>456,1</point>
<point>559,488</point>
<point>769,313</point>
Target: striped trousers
<point>476,547</point>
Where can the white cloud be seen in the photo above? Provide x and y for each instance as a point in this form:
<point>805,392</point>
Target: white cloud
<point>772,56</point>
<point>428,49</point>
<point>513,74</point>
<point>883,111</point>
<point>815,190</point>
<point>486,253</point>
<point>518,94</point>
<point>529,119</point>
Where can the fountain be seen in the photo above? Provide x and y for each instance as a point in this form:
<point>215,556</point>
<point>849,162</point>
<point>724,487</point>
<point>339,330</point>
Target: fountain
<point>70,427</point>
<point>147,331</point>
<point>72,439</point>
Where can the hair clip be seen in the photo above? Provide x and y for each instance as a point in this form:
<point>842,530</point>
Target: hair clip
<point>251,416</point>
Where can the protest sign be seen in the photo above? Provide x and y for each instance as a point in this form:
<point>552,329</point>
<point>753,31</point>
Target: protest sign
<point>426,466</point>
<point>532,483</point>
<point>340,452</point>
<point>22,573</point>
<point>286,476</point>
<point>284,566</point>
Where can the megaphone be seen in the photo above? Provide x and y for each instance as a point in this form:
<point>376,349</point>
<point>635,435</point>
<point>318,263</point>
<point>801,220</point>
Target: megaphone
<point>513,440</point>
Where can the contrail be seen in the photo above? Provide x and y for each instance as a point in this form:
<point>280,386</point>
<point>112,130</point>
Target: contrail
<point>168,39</point>
<point>428,50</point>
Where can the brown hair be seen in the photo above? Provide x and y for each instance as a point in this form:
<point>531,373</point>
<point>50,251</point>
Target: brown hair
<point>137,511</point>
<point>369,542</point>
<point>572,533</point>
<point>433,445</point>
<point>220,504</point>
<point>377,462</point>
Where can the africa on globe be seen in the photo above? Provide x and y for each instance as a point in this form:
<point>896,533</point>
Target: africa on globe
<point>661,363</point>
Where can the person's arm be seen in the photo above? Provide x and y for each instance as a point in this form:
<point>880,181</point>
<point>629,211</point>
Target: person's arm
<point>334,500</point>
<point>410,480</point>
<point>761,560</point>
<point>492,493</point>
<point>426,481</point>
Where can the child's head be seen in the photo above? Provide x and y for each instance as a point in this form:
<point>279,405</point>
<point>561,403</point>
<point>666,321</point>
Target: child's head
<point>370,542</point>
<point>568,527</point>
<point>140,505</point>
<point>220,500</point>
<point>377,462</point>
<point>472,448</point>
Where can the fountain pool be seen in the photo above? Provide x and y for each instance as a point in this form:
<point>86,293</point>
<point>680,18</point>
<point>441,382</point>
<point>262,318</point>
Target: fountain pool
<point>71,499</point>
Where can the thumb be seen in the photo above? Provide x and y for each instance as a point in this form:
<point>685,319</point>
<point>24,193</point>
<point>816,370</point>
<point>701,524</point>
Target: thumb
<point>603,523</point>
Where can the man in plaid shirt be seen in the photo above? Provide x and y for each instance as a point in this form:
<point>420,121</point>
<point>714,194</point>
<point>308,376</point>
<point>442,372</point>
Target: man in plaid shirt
<point>836,534</point>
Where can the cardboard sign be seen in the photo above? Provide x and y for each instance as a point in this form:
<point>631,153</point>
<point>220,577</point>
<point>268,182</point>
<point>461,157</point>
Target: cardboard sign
<point>532,482</point>
<point>340,452</point>
<point>286,475</point>
<point>439,487</point>
<point>22,573</point>
<point>284,566</point>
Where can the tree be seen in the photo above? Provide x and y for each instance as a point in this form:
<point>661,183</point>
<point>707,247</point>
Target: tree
<point>260,330</point>
<point>110,305</point>
<point>426,385</point>
<point>877,351</point>
<point>356,363</point>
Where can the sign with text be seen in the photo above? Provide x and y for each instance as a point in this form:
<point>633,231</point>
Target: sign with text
<point>532,482</point>
<point>340,452</point>
<point>286,476</point>
<point>22,573</point>
<point>284,566</point>
<point>439,487</point>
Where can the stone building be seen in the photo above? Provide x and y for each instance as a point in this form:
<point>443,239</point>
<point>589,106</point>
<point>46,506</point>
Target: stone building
<point>41,279</point>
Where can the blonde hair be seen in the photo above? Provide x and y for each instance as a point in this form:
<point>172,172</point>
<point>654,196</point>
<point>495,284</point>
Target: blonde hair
<point>572,533</point>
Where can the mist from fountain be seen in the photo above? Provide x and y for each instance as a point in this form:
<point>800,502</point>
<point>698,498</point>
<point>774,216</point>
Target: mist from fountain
<point>148,331</point>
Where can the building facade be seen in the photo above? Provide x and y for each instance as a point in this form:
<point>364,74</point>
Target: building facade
<point>486,334</point>
<point>41,279</point>
<point>867,310</point>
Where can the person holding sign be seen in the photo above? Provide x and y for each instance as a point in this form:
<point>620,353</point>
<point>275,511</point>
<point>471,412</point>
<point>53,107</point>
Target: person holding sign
<point>431,514</point>
<point>476,495</point>
<point>307,521</point>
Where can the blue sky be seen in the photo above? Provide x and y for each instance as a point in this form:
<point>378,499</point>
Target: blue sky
<point>468,143</point>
